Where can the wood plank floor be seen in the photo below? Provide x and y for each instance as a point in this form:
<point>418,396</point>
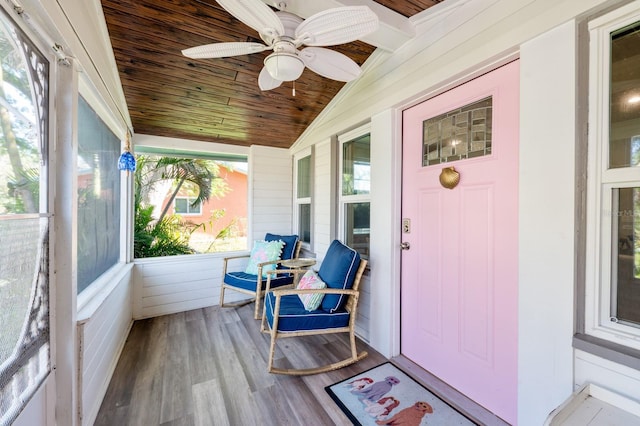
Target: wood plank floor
<point>208,367</point>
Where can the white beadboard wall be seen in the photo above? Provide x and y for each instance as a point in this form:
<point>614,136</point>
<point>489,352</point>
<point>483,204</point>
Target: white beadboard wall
<point>101,338</point>
<point>178,283</point>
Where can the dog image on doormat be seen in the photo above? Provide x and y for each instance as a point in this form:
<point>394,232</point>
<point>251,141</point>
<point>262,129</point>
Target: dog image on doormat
<point>384,395</point>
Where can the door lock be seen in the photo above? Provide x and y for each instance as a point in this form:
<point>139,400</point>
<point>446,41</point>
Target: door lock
<point>405,246</point>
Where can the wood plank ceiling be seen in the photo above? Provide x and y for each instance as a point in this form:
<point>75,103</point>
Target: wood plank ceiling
<point>213,100</point>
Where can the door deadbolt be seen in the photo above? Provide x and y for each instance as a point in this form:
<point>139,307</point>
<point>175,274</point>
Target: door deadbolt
<point>405,246</point>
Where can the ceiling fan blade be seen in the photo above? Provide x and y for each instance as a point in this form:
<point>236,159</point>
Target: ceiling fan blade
<point>223,50</point>
<point>329,63</point>
<point>337,26</point>
<point>266,82</point>
<point>255,14</point>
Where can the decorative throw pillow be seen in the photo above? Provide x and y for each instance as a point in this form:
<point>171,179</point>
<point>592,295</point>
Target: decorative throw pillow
<point>290,242</point>
<point>311,280</point>
<point>338,270</point>
<point>264,251</point>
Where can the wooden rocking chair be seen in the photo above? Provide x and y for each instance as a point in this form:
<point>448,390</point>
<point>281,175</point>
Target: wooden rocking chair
<point>284,314</point>
<point>254,284</point>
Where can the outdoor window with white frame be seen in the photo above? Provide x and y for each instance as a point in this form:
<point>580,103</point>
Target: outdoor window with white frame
<point>612,296</point>
<point>185,206</point>
<point>303,167</point>
<point>354,198</point>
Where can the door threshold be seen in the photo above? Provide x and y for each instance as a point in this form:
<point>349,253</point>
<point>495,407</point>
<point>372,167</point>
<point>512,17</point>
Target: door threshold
<point>457,400</point>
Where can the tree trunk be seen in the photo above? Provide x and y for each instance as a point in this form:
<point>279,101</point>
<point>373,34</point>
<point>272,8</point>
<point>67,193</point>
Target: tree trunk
<point>14,156</point>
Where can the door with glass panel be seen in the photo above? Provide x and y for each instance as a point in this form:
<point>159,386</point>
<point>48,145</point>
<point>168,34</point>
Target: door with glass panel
<point>459,289</point>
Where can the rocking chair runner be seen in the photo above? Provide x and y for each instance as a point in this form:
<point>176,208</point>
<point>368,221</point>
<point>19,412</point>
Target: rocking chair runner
<point>254,284</point>
<point>284,314</point>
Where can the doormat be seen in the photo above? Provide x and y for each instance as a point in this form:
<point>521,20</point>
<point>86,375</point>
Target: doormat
<point>384,395</point>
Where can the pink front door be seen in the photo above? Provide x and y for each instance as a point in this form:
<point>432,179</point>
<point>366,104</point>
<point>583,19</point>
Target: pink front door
<point>459,299</point>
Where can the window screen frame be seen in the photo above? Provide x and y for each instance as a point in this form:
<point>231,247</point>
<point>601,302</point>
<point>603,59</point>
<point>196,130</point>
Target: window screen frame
<point>298,202</point>
<point>601,182</point>
<point>350,199</point>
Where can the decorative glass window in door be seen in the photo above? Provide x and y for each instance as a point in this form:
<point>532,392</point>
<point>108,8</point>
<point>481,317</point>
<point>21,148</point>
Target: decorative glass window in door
<point>24,220</point>
<point>458,134</point>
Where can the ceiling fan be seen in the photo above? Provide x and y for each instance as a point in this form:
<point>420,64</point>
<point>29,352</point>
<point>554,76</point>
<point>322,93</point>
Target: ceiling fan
<point>284,33</point>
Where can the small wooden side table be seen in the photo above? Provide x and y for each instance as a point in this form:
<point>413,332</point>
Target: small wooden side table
<point>299,263</point>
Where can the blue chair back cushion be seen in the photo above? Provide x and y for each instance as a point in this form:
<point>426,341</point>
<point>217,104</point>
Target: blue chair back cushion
<point>293,316</point>
<point>290,242</point>
<point>338,270</point>
<point>250,282</point>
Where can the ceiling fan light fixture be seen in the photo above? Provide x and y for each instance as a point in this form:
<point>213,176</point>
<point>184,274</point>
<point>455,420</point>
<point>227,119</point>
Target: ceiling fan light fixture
<point>284,66</point>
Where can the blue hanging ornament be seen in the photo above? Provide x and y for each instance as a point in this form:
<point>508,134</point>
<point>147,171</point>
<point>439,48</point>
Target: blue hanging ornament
<point>127,161</point>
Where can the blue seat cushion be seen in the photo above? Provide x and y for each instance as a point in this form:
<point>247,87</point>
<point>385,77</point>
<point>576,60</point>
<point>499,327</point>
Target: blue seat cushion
<point>290,242</point>
<point>338,270</point>
<point>293,316</point>
<point>249,281</point>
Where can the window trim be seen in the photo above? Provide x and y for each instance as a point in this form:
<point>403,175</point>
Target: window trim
<point>601,181</point>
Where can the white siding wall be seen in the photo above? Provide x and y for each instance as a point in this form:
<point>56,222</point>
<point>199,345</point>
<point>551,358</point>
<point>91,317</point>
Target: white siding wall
<point>270,191</point>
<point>323,192</point>
<point>101,339</point>
<point>456,43</point>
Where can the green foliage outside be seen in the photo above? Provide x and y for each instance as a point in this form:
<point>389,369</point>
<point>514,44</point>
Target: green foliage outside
<point>170,234</point>
<point>19,193</point>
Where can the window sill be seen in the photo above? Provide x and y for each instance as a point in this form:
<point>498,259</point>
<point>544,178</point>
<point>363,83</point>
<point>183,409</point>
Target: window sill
<point>605,349</point>
<point>91,298</point>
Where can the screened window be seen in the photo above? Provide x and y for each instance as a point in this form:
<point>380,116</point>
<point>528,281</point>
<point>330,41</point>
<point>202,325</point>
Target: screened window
<point>303,198</point>
<point>98,196</point>
<point>355,183</point>
<point>613,278</point>
<point>24,220</point>
<point>190,204</point>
